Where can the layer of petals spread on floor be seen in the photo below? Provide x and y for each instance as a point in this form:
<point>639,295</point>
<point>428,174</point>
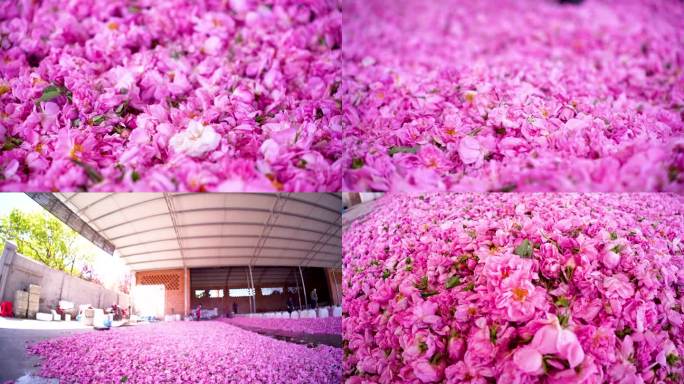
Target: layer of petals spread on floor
<point>514,95</point>
<point>183,352</point>
<point>170,95</point>
<point>516,288</point>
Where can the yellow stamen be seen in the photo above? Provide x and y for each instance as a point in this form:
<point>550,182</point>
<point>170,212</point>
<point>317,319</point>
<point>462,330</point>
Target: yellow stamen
<point>470,96</point>
<point>519,294</point>
<point>77,148</point>
<point>113,26</point>
<point>276,184</point>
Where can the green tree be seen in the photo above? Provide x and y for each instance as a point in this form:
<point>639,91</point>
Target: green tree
<point>43,237</point>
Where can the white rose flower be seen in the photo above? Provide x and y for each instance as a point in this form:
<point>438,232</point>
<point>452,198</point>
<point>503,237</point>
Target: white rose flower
<point>195,141</point>
<point>213,45</point>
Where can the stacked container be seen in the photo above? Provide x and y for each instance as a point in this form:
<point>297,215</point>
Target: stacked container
<point>21,301</point>
<point>33,300</point>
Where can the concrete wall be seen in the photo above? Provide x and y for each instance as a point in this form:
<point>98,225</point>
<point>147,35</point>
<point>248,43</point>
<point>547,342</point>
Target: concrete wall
<point>17,272</point>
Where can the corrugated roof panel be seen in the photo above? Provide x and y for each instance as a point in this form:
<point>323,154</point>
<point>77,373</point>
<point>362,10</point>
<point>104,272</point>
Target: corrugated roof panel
<point>170,230</point>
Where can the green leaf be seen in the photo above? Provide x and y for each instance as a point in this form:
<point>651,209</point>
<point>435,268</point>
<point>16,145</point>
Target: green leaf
<point>135,176</point>
<point>493,330</point>
<point>122,109</point>
<point>562,302</point>
<point>613,236</point>
<point>11,142</point>
<point>453,281</point>
<point>621,333</point>
<point>427,294</point>
<point>357,163</point>
<point>394,150</point>
<point>436,358</point>
<point>386,273</point>
<point>422,346</point>
<point>123,379</point>
<point>76,122</point>
<point>98,119</point>
<point>470,287</point>
<point>524,249</point>
<point>260,119</point>
<point>92,173</point>
<point>616,249</point>
<point>423,283</point>
<point>50,92</point>
<point>672,359</point>
<point>563,319</point>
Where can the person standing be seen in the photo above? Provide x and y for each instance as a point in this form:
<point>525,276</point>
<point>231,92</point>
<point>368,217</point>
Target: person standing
<point>314,299</point>
<point>198,313</point>
<point>235,308</point>
<point>290,305</point>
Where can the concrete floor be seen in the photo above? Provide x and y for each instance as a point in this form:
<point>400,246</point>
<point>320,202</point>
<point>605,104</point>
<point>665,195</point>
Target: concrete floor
<point>299,338</point>
<point>357,212</point>
<point>16,334</point>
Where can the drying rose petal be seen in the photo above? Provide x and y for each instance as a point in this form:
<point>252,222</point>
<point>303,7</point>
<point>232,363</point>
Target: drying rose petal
<point>470,150</point>
<point>528,359</point>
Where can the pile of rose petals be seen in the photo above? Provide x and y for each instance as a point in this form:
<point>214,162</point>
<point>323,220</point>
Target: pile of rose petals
<point>328,325</point>
<point>228,95</point>
<point>185,352</point>
<point>514,95</point>
<point>516,288</point>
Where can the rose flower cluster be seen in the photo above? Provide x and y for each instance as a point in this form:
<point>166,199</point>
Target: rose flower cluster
<point>146,95</point>
<point>516,288</point>
<point>513,95</point>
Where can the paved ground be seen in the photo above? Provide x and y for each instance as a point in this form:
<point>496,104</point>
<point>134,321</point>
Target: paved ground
<point>357,212</point>
<point>16,334</point>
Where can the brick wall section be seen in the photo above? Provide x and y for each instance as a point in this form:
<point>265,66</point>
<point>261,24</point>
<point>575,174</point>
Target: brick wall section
<point>174,287</point>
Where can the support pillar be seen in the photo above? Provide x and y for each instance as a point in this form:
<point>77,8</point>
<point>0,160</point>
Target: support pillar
<point>186,291</point>
<point>306,301</point>
<point>251,278</point>
<point>299,297</point>
<point>338,294</point>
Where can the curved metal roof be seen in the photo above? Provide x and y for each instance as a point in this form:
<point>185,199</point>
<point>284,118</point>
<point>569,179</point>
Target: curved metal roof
<point>175,230</point>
